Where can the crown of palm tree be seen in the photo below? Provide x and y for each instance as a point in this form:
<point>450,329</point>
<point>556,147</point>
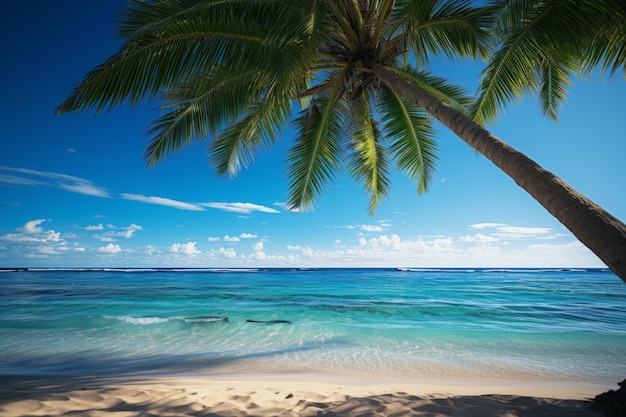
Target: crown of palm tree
<point>238,72</point>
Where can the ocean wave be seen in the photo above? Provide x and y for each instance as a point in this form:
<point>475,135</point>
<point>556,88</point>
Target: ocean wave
<point>139,320</point>
<point>434,270</point>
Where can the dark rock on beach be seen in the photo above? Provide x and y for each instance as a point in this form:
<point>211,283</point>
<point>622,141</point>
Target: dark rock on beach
<point>612,403</point>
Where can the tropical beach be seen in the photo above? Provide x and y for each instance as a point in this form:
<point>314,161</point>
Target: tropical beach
<point>263,342</point>
<point>480,284</point>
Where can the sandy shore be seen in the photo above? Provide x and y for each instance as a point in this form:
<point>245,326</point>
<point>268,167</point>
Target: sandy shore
<point>288,395</point>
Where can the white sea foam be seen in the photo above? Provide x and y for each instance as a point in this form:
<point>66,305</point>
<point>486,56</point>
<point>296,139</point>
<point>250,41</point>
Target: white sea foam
<point>139,320</point>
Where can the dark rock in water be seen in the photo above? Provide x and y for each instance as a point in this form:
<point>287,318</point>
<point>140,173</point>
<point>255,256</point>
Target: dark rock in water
<point>204,319</point>
<point>612,403</point>
<point>268,321</point>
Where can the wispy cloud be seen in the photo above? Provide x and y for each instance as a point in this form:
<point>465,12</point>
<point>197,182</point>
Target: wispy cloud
<point>381,226</point>
<point>524,230</point>
<point>240,208</point>
<point>22,176</point>
<point>486,225</point>
<point>14,180</point>
<point>162,201</point>
<point>501,231</point>
<point>84,188</point>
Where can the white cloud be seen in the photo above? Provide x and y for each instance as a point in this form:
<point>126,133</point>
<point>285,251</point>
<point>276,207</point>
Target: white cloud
<point>130,230</point>
<point>227,253</point>
<point>33,226</point>
<point>213,239</point>
<point>104,238</point>
<point>18,237</point>
<point>14,180</point>
<point>524,230</point>
<point>161,201</point>
<point>231,238</point>
<point>248,236</point>
<point>371,228</point>
<point>188,248</point>
<point>92,227</point>
<point>486,225</point>
<point>84,188</point>
<point>62,181</point>
<point>241,208</point>
<point>383,241</point>
<point>474,251</point>
<point>110,248</point>
<point>258,254</point>
<point>506,232</point>
<point>127,232</point>
<point>48,250</point>
<point>478,237</point>
<point>52,236</point>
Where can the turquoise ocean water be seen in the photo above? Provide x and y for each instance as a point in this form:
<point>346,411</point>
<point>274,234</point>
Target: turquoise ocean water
<point>546,325</point>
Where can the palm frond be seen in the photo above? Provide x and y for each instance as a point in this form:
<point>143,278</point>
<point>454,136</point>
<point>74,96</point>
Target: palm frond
<point>606,48</point>
<point>317,152</point>
<point>234,148</point>
<point>453,28</point>
<point>534,33</point>
<point>411,138</point>
<point>200,106</point>
<point>166,50</point>
<point>367,160</point>
<point>553,92</point>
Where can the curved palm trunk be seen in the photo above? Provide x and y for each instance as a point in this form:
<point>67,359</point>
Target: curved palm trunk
<point>604,234</point>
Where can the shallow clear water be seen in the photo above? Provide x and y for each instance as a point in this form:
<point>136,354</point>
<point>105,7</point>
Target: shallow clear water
<point>529,324</point>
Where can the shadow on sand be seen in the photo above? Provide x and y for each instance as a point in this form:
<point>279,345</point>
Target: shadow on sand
<point>128,397</point>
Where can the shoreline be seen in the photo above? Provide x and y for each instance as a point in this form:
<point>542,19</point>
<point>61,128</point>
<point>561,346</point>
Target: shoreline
<point>290,394</point>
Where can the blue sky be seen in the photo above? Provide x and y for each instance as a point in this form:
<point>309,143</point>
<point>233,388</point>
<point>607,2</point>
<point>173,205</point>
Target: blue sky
<point>76,192</point>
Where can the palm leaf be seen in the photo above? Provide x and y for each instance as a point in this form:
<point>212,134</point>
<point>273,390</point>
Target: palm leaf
<point>167,49</point>
<point>317,151</point>
<point>553,92</point>
<point>606,48</point>
<point>234,148</point>
<point>453,28</point>
<point>412,145</point>
<point>200,106</point>
<point>534,34</point>
<point>368,158</point>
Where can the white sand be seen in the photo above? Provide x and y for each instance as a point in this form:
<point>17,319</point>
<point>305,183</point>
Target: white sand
<point>289,395</point>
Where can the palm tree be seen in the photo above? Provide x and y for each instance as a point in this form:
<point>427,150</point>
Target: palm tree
<point>235,70</point>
